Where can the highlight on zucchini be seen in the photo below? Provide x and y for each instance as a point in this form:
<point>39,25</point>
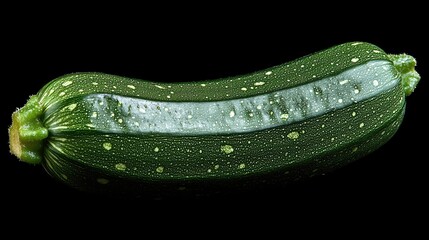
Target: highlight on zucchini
<point>104,133</point>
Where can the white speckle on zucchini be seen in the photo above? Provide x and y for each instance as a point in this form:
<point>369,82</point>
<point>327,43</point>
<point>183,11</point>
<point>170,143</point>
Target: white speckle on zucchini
<point>227,149</point>
<point>158,86</point>
<point>66,83</point>
<point>120,166</point>
<point>284,116</point>
<point>71,107</point>
<point>293,135</point>
<point>107,146</point>
<point>342,82</point>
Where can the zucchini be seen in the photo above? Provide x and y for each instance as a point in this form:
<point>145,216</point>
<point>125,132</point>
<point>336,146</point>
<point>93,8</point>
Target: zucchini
<point>104,133</point>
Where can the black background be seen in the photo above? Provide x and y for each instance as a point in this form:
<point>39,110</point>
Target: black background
<point>390,180</point>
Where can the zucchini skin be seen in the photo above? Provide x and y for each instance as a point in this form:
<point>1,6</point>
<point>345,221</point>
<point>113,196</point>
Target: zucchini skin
<point>107,133</point>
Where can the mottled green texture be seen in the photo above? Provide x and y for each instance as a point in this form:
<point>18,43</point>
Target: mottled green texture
<point>298,72</point>
<point>303,118</point>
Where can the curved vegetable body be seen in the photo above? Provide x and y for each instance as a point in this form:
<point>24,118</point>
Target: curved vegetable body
<point>101,132</point>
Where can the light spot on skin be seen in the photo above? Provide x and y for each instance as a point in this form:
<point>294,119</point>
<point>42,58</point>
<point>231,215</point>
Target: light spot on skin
<point>131,86</point>
<point>120,120</point>
<point>94,115</point>
<point>356,43</point>
<point>107,146</point>
<point>361,125</point>
<point>137,124</point>
<point>158,86</point>
<point>60,139</point>
<point>355,59</point>
<point>284,116</point>
<point>302,66</point>
<point>259,107</point>
<point>159,169</point>
<point>376,51</point>
<point>355,149</point>
<point>80,90</point>
<point>268,73</point>
<point>332,139</point>
<point>375,83</point>
<point>232,114</point>
<point>340,100</point>
<point>189,116</point>
<point>250,114</point>
<point>323,125</point>
<point>293,135</point>
<point>203,85</point>
<point>156,149</point>
<point>120,166</point>
<point>102,181</point>
<point>101,103</point>
<point>65,84</point>
<point>344,82</point>
<point>209,170</point>
<point>168,96</point>
<point>353,114</point>
<point>241,166</point>
<point>356,91</point>
<point>227,149</point>
<point>90,125</point>
<point>95,83</point>
<point>216,167</point>
<point>71,107</point>
<point>243,89</point>
<point>259,83</point>
<point>62,94</point>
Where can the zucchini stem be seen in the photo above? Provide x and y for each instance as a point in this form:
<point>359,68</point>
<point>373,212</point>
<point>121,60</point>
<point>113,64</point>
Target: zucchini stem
<point>405,64</point>
<point>27,133</point>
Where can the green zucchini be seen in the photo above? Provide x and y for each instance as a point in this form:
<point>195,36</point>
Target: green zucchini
<point>105,133</point>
